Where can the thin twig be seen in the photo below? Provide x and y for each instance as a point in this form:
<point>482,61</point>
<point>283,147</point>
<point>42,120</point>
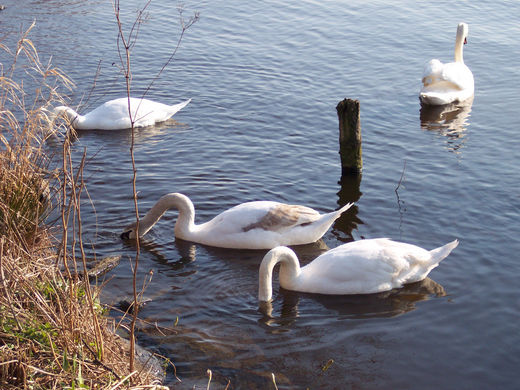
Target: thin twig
<point>167,360</point>
<point>274,381</point>
<point>125,43</point>
<point>39,370</point>
<point>210,374</point>
<point>185,26</point>
<point>99,362</point>
<point>125,63</point>
<point>401,179</point>
<point>99,337</point>
<point>123,380</point>
<point>4,287</point>
<point>9,362</point>
<point>398,198</point>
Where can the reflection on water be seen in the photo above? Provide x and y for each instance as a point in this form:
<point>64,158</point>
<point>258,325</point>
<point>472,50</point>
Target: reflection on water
<point>348,221</point>
<point>141,134</point>
<point>187,250</point>
<point>381,305</point>
<point>449,120</point>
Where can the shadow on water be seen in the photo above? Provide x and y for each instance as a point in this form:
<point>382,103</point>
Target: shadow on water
<point>381,305</point>
<point>450,121</point>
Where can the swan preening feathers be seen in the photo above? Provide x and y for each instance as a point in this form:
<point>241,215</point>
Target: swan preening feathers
<point>359,267</point>
<point>451,82</point>
<point>251,225</point>
<point>113,115</point>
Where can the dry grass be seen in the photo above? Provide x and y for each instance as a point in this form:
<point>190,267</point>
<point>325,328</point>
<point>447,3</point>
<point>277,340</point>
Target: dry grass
<point>48,339</point>
<point>53,331</point>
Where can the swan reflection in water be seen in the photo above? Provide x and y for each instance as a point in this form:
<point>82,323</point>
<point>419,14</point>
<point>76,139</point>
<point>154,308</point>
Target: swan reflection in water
<point>187,252</point>
<point>121,136</point>
<point>380,305</point>
<point>450,120</point>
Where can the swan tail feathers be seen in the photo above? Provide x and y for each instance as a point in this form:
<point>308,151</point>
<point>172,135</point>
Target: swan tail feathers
<point>179,106</point>
<point>344,208</point>
<point>442,252</point>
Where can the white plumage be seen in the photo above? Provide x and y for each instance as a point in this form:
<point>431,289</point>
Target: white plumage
<point>451,82</point>
<point>114,114</point>
<point>251,225</point>
<point>359,267</point>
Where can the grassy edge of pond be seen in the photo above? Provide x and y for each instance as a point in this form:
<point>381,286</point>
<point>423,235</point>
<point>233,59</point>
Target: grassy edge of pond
<point>54,333</point>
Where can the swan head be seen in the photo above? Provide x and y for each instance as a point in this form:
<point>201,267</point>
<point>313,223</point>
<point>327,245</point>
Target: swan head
<point>67,112</point>
<point>185,221</point>
<point>460,41</point>
<point>129,232</point>
<point>462,31</point>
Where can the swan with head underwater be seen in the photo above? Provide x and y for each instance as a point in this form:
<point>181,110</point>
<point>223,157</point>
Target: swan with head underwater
<point>451,82</point>
<point>358,267</point>
<point>250,225</point>
<point>113,115</point>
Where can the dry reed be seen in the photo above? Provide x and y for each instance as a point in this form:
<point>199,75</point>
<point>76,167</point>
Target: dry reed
<point>54,333</point>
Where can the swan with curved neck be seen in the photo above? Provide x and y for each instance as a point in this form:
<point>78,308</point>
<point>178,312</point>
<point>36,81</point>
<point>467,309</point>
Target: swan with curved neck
<point>251,225</point>
<point>359,267</point>
<point>113,115</point>
<point>451,82</point>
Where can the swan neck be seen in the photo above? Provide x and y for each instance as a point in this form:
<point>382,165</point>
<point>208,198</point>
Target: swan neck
<point>185,220</point>
<point>289,270</point>
<point>72,116</point>
<point>459,42</point>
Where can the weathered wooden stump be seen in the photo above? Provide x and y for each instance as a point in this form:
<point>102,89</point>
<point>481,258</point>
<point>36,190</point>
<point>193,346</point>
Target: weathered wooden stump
<point>349,137</point>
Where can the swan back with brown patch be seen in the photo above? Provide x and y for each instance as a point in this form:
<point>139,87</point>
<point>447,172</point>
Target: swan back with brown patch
<point>283,216</point>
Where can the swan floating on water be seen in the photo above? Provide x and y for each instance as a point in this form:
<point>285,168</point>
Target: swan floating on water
<point>451,82</point>
<point>359,267</point>
<point>113,115</point>
<point>251,225</point>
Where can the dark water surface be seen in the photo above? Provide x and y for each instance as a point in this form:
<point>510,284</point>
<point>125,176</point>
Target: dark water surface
<point>265,78</point>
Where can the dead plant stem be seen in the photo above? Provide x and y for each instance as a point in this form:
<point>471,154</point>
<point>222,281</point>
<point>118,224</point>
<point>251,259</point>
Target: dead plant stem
<point>128,42</point>
<point>128,79</point>
<point>77,197</point>
<point>4,287</point>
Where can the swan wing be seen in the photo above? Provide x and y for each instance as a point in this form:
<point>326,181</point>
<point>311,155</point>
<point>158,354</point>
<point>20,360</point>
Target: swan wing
<point>450,76</point>
<point>453,83</point>
<point>282,216</point>
<point>458,74</point>
<point>266,216</point>
<point>114,113</point>
<point>109,116</point>
<point>432,71</point>
<point>150,111</point>
<point>362,267</point>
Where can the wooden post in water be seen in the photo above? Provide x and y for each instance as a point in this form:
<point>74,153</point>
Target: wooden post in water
<point>349,137</point>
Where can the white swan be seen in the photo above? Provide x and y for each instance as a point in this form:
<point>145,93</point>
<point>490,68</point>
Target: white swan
<point>113,115</point>
<point>451,82</point>
<point>251,225</point>
<point>359,267</point>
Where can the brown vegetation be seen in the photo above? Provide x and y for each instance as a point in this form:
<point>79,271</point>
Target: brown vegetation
<point>53,331</point>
